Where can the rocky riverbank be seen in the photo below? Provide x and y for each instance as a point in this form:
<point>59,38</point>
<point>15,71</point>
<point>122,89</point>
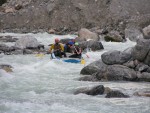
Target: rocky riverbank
<point>69,16</point>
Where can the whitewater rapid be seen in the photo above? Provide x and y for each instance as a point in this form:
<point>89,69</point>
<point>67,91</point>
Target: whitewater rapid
<point>42,85</point>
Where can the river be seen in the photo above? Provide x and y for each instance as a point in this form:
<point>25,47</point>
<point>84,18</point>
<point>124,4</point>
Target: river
<point>42,85</point>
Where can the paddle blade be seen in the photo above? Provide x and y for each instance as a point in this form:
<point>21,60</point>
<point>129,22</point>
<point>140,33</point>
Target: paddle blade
<point>39,55</point>
<point>82,61</point>
<point>87,56</point>
<point>53,56</point>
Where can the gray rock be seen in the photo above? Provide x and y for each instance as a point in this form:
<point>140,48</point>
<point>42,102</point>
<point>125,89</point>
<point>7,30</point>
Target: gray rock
<point>8,39</point>
<point>130,64</point>
<point>142,67</point>
<point>4,48</point>
<point>27,42</point>
<point>146,32</point>
<point>50,7</point>
<point>85,34</point>
<point>142,93</point>
<point>97,90</point>
<point>133,34</point>
<point>113,36</point>
<point>147,59</point>
<point>144,76</point>
<point>17,52</point>
<point>93,68</point>
<point>128,50</point>
<point>88,78</point>
<point>28,51</point>
<point>140,51</point>
<point>93,45</point>
<point>6,67</point>
<point>116,94</point>
<point>115,57</point>
<point>119,73</point>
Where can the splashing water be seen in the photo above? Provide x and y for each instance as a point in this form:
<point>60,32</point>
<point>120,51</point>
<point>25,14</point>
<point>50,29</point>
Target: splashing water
<point>41,85</point>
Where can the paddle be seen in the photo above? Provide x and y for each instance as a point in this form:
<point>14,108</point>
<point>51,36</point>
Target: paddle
<point>40,55</point>
<point>82,61</point>
<point>53,56</point>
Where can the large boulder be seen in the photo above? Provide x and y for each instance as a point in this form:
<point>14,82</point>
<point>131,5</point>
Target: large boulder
<point>115,57</point>
<point>4,48</point>
<point>146,32</point>
<point>133,34</point>
<point>143,76</point>
<point>93,45</point>
<point>85,34</point>
<point>114,36</point>
<point>141,50</point>
<point>116,73</point>
<point>93,68</point>
<point>27,42</point>
<point>119,72</point>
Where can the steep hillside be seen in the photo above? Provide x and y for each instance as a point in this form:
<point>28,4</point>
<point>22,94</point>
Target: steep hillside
<point>41,15</point>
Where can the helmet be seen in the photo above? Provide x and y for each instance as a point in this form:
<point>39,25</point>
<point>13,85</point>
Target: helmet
<point>56,40</point>
<point>76,44</point>
<point>73,40</point>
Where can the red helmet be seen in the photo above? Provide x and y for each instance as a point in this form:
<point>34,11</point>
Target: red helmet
<point>56,40</point>
<point>73,40</point>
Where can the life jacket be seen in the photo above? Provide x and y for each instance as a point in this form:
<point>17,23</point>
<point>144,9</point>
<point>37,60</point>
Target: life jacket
<point>77,49</point>
<point>57,46</point>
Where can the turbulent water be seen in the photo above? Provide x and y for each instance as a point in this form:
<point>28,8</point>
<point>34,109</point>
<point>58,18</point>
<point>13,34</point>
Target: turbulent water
<point>41,85</point>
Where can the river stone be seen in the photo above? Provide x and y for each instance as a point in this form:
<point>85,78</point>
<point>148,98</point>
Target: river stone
<point>115,57</point>
<point>142,67</point>
<point>140,51</point>
<point>97,90</point>
<point>119,72</point>
<point>93,68</point>
<point>27,42</point>
<point>7,68</point>
<point>147,59</point>
<point>144,76</point>
<point>133,34</point>
<point>146,32</point>
<point>142,93</point>
<point>93,45</point>
<point>85,34</point>
<point>113,36</point>
<point>116,94</point>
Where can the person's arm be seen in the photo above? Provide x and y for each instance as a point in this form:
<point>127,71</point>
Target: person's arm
<point>51,48</point>
<point>80,51</point>
<point>62,47</point>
